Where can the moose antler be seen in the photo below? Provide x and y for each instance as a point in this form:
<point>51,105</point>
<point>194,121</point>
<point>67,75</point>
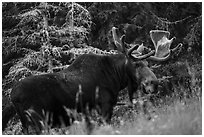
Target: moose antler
<point>121,46</point>
<point>137,55</point>
<point>162,45</point>
<point>160,39</point>
<point>117,40</point>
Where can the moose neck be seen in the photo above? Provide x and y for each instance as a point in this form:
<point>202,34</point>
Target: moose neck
<point>120,64</point>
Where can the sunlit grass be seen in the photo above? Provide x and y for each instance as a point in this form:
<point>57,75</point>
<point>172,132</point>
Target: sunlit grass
<point>178,118</point>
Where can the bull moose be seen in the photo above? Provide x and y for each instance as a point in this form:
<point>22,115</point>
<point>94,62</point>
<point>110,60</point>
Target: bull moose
<point>110,73</point>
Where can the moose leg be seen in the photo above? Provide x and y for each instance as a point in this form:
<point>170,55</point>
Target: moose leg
<point>130,94</point>
<point>107,112</point>
<point>146,111</point>
<point>106,106</point>
<point>24,125</point>
<point>144,103</point>
<point>23,119</point>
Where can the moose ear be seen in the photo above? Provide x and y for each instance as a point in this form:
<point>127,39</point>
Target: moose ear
<point>139,51</point>
<point>141,48</point>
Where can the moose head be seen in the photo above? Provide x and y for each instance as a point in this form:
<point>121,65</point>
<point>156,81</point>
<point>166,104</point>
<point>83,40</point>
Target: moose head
<point>146,79</point>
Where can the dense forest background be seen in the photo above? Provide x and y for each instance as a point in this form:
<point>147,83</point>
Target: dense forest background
<point>44,37</point>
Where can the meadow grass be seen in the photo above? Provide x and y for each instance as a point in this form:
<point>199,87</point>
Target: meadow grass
<point>181,117</point>
<point>177,119</point>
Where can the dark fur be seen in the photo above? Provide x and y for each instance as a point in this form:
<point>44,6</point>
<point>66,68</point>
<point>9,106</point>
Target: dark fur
<point>50,92</point>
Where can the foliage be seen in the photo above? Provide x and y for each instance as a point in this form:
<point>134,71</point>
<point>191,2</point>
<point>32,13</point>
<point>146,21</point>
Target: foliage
<point>37,23</point>
<point>37,33</point>
<point>194,37</point>
<point>174,17</point>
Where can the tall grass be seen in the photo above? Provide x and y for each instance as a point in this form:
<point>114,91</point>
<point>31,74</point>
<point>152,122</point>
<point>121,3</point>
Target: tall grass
<point>181,117</point>
<point>177,119</point>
